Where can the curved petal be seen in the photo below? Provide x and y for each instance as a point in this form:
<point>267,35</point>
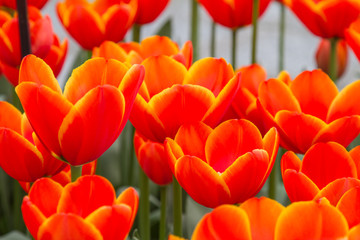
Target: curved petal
<point>230,140</point>
<point>110,50</point>
<point>263,214</point>
<point>86,195</point>
<point>173,153</point>
<point>131,198</point>
<point>67,226</point>
<point>33,217</point>
<point>355,154</point>
<point>290,161</point>
<point>187,52</point>
<point>117,20</point>
<point>311,220</point>
<point>158,45</point>
<point>219,224</point>
<point>326,162</point>
<point>251,77</point>
<point>354,233</point>
<point>10,117</point>
<point>201,182</point>
<point>315,92</point>
<point>92,125</point>
<point>349,206</point>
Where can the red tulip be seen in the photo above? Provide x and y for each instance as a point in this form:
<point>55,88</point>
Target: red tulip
<point>349,206</point>
<point>92,23</point>
<point>12,3</point>
<point>85,209</point>
<point>234,13</point>
<point>149,10</point>
<point>83,122</point>
<point>310,110</point>
<point>352,35</point>
<point>228,164</point>
<point>22,155</point>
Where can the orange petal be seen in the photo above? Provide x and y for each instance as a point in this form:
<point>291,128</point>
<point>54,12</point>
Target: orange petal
<point>263,214</point>
<point>355,154</point>
<point>201,182</point>
<point>158,45</point>
<point>187,52</point>
<point>229,141</point>
<point>109,49</point>
<point>290,161</point>
<point>131,198</point>
<point>349,205</point>
<point>251,77</point>
<point>275,95</point>
<point>86,195</point>
<point>116,20</point>
<point>315,92</point>
<point>10,117</point>
<point>244,176</point>
<point>354,233</point>
<point>113,222</point>
<point>325,162</point>
<point>219,224</point>
<point>173,153</point>
<point>92,125</point>
<point>67,226</point>
<point>336,189</point>
<point>33,217</point>
<point>212,73</point>
<point>311,220</point>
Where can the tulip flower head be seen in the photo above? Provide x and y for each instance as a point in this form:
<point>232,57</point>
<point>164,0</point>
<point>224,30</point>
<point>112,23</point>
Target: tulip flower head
<point>149,10</point>
<point>12,3</point>
<point>224,165</point>
<point>85,209</point>
<point>81,123</point>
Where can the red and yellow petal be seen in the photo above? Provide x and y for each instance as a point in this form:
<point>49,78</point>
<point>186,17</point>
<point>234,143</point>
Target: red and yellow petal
<point>251,77</point>
<point>290,161</point>
<point>117,20</point>
<point>354,233</point>
<point>131,198</point>
<point>33,217</point>
<point>164,46</point>
<point>10,117</point>
<point>110,50</point>
<point>355,154</point>
<point>349,205</point>
<point>173,153</point>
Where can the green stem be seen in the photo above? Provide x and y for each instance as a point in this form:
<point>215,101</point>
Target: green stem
<point>255,16</point>
<point>162,230</point>
<point>177,198</point>
<point>282,37</point>
<point>233,48</point>
<point>18,195</point>
<point>275,174</point>
<point>333,60</point>
<point>213,39</point>
<point>144,206</point>
<point>136,32</point>
<point>5,198</point>
<point>194,28</point>
<point>132,157</point>
<point>22,10</point>
<point>75,172</point>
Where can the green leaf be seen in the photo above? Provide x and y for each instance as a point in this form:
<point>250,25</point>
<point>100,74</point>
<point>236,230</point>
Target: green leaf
<point>166,29</point>
<point>14,235</point>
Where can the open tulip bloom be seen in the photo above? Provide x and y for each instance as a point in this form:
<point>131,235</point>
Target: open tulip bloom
<point>225,165</point>
<point>80,124</point>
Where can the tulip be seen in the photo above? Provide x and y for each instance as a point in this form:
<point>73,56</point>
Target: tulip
<point>135,53</point>
<point>232,14</point>
<point>322,164</point>
<point>349,206</point>
<point>352,35</point>
<point>311,220</point>
<point>22,155</point>
<point>149,10</point>
<point>104,20</point>
<point>85,209</point>
<point>225,165</point>
<point>354,233</point>
<point>12,3</point>
<point>83,122</point>
<point>255,219</point>
<point>310,110</point>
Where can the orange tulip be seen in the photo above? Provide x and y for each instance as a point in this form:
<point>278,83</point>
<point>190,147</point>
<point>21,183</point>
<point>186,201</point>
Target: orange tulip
<point>83,122</point>
<point>232,13</point>
<point>92,23</point>
<point>352,35</point>
<point>171,95</point>
<point>310,110</point>
<point>85,209</point>
<point>311,220</point>
<point>22,155</point>
<point>152,159</point>
<point>135,53</point>
<point>255,219</point>
<point>322,17</point>
<point>349,206</point>
<point>322,164</point>
<point>228,164</point>
<point>12,3</point>
<point>354,233</point>
<point>149,10</point>
<point>322,56</point>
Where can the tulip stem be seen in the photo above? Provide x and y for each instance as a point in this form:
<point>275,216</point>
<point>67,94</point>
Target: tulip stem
<point>144,206</point>
<point>162,230</point>
<point>75,172</point>
<point>333,62</point>
<point>4,193</point>
<point>25,43</point>
<point>234,48</point>
<point>136,32</point>
<point>177,198</point>
<point>213,39</point>
<point>194,28</point>
<point>255,15</point>
<point>282,37</point>
<point>274,175</point>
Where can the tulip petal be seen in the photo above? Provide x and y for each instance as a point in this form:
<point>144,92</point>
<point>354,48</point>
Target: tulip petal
<point>229,141</point>
<point>201,182</point>
<point>263,214</point>
<point>131,198</point>
<point>113,222</point>
<point>92,125</point>
<point>110,50</point>
<point>355,154</point>
<point>173,152</point>
<point>86,195</point>
<point>117,19</point>
<point>349,205</point>
<point>290,161</point>
<point>219,224</point>
<point>354,233</point>
<point>164,46</point>
<point>67,226</point>
<point>33,217</point>
<point>251,77</point>
<point>10,117</point>
<point>315,92</point>
<point>326,162</point>
<point>311,220</point>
